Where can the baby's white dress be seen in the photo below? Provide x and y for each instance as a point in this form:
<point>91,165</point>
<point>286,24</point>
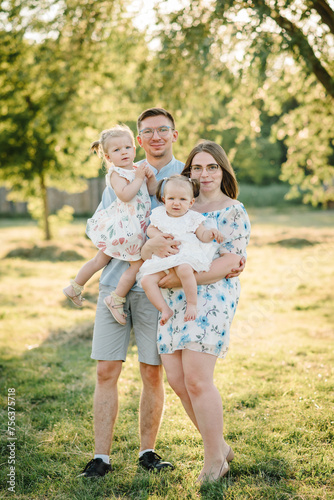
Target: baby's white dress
<point>191,250</point>
<point>120,229</point>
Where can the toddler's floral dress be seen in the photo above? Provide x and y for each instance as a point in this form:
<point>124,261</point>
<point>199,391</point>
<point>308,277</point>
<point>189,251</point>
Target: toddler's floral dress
<point>120,229</point>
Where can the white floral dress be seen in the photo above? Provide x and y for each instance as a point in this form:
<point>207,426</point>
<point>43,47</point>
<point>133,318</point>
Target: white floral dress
<point>192,251</point>
<point>120,229</point>
<point>210,331</point>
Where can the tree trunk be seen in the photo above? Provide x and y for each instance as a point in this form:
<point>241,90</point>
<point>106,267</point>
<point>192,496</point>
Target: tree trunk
<point>46,225</point>
<point>325,12</point>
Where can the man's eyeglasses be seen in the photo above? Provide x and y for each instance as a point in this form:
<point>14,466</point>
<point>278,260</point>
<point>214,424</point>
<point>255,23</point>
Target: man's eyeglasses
<point>148,133</point>
<point>211,169</point>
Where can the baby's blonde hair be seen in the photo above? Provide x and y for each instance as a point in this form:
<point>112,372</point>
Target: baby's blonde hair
<point>191,184</point>
<point>100,146</point>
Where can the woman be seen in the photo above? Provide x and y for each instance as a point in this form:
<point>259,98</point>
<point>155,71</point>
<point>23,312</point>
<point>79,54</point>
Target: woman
<point>189,350</point>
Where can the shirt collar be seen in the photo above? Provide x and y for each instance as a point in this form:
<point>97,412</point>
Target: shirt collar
<point>163,169</point>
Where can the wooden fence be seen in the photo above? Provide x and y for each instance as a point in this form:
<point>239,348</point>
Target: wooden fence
<point>83,203</point>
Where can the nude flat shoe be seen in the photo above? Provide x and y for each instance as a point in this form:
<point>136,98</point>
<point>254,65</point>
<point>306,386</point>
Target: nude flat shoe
<point>120,317</point>
<point>223,470</point>
<point>76,299</point>
<point>230,455</point>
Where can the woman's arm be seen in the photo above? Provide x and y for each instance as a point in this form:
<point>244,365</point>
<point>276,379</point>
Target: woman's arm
<point>124,190</point>
<point>219,269</point>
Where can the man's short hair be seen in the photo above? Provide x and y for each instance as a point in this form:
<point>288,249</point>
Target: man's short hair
<point>154,112</point>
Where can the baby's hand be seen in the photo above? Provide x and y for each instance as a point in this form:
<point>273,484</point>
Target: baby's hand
<point>217,235</point>
<point>140,172</point>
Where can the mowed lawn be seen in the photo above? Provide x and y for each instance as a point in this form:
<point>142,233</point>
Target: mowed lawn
<point>276,383</point>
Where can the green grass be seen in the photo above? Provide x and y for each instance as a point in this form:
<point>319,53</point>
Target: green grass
<point>253,196</point>
<point>276,383</point>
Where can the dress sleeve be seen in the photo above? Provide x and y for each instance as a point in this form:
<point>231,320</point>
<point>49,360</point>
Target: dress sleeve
<point>156,216</point>
<point>126,174</point>
<point>194,219</point>
<point>235,225</point>
<point>108,175</point>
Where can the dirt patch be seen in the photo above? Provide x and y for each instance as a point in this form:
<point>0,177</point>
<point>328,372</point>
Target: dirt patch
<point>294,243</point>
<point>47,252</point>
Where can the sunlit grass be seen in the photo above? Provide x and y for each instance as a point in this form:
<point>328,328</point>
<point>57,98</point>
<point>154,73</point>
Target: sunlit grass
<point>276,383</point>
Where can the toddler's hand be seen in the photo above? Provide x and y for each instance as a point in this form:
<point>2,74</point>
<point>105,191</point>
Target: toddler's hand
<point>148,172</point>
<point>140,172</point>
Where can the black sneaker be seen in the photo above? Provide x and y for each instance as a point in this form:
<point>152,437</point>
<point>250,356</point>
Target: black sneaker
<point>96,468</point>
<point>151,461</point>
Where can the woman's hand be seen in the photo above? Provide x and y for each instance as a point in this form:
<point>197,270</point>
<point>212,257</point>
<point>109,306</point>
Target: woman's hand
<point>238,270</point>
<point>171,280</point>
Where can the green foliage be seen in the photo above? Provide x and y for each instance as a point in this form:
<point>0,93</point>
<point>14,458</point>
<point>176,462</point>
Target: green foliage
<point>244,71</point>
<point>308,134</point>
<point>61,68</point>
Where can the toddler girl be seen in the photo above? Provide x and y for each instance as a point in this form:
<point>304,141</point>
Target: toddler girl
<point>186,226</point>
<point>120,230</point>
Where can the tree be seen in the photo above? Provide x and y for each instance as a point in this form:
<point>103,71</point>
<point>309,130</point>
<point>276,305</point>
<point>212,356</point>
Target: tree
<point>263,45</point>
<point>62,66</point>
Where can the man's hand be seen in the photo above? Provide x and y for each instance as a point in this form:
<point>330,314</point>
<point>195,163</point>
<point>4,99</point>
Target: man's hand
<point>236,272</point>
<point>165,245</point>
<point>162,245</point>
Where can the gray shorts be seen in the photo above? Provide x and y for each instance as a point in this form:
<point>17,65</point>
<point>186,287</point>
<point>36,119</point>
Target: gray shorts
<point>111,340</point>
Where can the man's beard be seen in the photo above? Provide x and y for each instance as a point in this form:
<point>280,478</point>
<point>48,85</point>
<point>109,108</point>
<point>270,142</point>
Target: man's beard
<point>158,155</point>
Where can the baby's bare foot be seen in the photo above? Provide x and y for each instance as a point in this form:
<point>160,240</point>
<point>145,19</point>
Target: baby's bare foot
<point>191,312</point>
<point>165,315</point>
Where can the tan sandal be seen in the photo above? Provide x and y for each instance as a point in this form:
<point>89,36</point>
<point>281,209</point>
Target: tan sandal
<point>73,293</point>
<point>116,307</point>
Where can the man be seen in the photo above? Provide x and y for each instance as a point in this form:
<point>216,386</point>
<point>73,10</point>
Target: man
<point>156,135</point>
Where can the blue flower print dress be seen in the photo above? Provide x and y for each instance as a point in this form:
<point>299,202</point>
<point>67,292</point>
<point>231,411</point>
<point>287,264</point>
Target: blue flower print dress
<point>216,306</point>
<point>120,229</point>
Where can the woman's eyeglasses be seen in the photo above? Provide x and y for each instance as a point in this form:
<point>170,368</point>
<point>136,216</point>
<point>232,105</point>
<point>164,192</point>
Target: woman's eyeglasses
<point>148,133</point>
<point>211,169</point>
